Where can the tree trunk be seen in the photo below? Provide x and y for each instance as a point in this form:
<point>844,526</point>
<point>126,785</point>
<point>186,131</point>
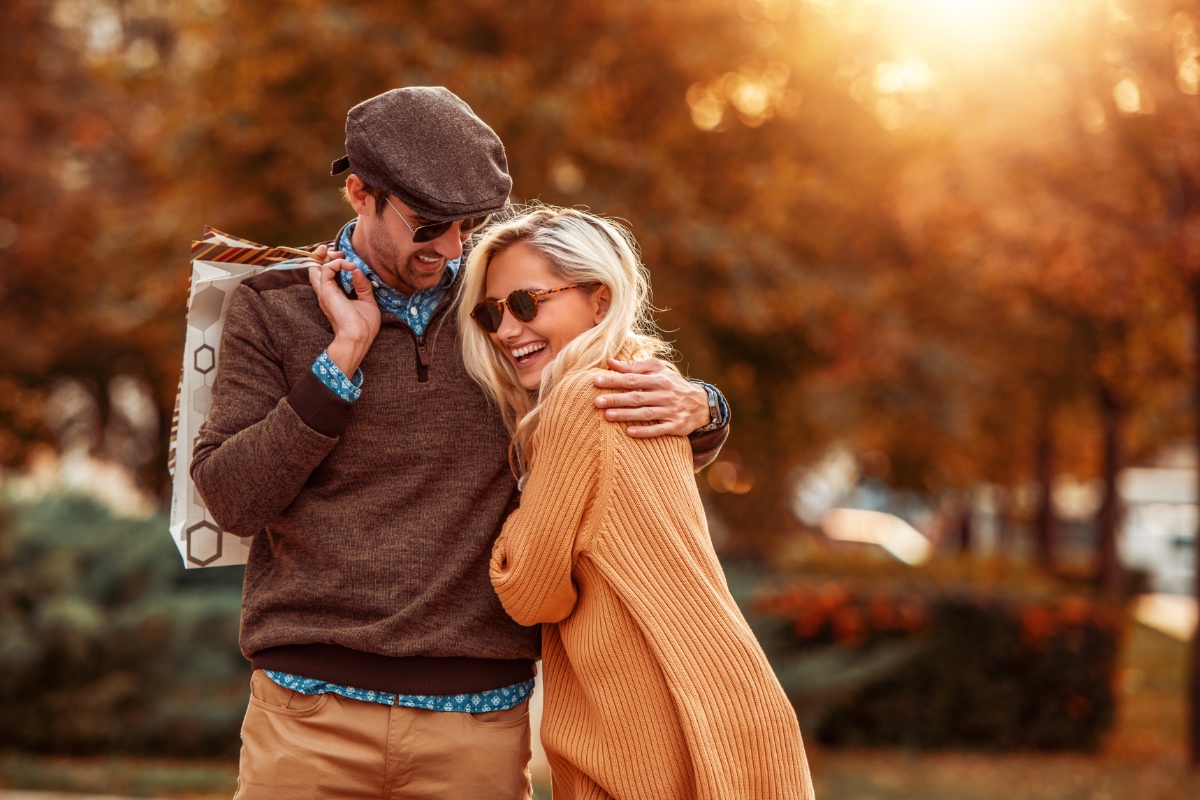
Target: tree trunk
<point>1111,574</point>
<point>1043,526</point>
<point>963,534</point>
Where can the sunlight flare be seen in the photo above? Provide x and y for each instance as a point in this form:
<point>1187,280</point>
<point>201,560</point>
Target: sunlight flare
<point>973,23</point>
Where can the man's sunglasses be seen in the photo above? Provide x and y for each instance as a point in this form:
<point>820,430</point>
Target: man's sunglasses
<point>427,233</point>
<point>523,304</point>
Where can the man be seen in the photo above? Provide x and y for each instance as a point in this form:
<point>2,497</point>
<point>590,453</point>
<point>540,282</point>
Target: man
<point>347,439</point>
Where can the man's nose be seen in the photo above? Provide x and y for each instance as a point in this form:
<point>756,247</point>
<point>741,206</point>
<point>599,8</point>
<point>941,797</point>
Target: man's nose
<point>450,245</point>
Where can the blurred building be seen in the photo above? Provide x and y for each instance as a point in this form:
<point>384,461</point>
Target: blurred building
<point>1159,528</point>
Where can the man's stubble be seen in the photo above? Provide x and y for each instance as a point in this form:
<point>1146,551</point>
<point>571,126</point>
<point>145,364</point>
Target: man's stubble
<point>391,261</point>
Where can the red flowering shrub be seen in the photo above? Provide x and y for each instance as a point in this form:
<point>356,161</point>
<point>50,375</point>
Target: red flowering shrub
<point>994,670</point>
<point>828,613</point>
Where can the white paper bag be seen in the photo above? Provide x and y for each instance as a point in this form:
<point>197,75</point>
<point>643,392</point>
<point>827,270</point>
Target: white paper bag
<point>219,263</point>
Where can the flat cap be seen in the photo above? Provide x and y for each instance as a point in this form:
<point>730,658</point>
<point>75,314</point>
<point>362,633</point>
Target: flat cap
<point>426,146</point>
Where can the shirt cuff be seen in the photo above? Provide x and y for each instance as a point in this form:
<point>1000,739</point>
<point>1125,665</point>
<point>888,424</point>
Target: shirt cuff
<point>329,374</point>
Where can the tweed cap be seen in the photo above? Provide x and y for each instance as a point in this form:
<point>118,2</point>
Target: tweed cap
<point>426,146</point>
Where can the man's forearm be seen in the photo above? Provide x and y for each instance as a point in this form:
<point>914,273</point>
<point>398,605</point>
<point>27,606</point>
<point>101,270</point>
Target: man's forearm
<point>248,478</point>
<point>264,434</point>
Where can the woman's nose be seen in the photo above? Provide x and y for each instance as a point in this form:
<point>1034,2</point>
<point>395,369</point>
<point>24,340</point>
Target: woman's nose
<point>510,327</point>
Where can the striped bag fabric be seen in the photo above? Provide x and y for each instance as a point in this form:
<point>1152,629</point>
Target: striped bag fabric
<point>219,263</point>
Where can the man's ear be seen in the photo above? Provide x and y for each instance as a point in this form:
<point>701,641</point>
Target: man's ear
<point>356,193</point>
<point>600,302</point>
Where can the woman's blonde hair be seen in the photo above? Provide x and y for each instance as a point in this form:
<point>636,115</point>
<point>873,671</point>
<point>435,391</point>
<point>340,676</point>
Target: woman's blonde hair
<point>582,249</point>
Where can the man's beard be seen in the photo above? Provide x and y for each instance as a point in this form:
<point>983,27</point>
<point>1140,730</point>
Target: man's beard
<point>390,262</point>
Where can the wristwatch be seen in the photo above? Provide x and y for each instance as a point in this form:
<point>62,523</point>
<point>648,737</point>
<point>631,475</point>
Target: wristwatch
<point>714,410</point>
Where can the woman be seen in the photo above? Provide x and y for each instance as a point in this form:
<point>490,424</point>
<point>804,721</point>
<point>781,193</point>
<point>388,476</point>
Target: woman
<point>654,685</point>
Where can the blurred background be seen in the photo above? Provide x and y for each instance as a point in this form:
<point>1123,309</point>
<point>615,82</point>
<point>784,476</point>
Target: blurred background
<point>942,257</point>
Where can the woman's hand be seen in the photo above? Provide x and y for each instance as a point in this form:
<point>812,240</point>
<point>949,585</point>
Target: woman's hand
<point>355,320</point>
<point>668,403</point>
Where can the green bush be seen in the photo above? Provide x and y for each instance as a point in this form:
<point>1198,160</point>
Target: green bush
<point>942,662</point>
<point>107,643</point>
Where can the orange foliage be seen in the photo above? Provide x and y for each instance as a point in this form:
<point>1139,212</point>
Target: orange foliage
<point>915,260</point>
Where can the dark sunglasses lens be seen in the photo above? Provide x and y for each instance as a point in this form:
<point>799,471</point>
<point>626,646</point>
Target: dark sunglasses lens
<point>488,316</point>
<point>523,305</point>
<point>427,233</point>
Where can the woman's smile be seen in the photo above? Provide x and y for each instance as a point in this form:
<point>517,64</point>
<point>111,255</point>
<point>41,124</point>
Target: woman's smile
<point>526,354</point>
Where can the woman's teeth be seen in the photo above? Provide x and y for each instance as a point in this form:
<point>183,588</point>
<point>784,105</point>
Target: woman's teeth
<point>527,350</point>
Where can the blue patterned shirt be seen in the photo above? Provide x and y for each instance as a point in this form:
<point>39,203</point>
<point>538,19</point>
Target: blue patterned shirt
<point>415,312</point>
<point>493,700</point>
<point>332,376</point>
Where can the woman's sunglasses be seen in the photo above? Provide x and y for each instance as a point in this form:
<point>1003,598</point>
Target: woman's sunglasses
<point>523,304</point>
<point>427,233</point>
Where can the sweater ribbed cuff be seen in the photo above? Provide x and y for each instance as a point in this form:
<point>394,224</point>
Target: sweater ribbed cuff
<point>318,406</point>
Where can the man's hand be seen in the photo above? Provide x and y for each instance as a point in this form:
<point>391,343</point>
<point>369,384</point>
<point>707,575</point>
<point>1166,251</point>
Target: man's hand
<point>355,321</point>
<point>670,404</point>
<point>323,255</point>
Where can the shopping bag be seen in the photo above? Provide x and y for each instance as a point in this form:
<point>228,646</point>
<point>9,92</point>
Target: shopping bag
<point>219,263</point>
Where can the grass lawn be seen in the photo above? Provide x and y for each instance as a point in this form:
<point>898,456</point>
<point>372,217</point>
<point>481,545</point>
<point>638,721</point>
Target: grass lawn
<point>1144,758</point>
<point>134,777</point>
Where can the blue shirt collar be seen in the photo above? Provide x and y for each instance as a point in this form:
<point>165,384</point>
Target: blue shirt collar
<point>416,311</point>
<point>382,290</point>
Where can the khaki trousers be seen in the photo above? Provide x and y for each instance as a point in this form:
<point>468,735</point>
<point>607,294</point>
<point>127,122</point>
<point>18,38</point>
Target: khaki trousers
<point>303,747</point>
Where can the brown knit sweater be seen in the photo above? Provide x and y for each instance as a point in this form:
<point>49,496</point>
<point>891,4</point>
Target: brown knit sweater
<point>655,686</point>
<point>373,521</point>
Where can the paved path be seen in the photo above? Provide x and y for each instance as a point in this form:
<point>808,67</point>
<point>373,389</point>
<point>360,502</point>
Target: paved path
<point>1172,614</point>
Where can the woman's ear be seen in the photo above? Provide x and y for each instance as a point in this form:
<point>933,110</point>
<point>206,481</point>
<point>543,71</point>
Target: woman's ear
<point>600,301</point>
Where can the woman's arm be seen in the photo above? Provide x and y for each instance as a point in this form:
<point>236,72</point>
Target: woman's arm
<point>533,558</point>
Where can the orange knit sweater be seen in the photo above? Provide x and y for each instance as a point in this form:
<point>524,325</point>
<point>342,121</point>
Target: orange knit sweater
<point>655,686</point>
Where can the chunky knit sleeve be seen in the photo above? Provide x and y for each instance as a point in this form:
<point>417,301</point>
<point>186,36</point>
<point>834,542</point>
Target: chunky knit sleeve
<point>534,556</point>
